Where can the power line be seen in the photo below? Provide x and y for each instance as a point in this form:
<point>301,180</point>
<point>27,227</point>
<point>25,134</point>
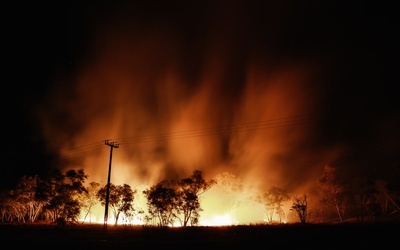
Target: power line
<point>82,149</point>
<point>210,131</point>
<point>219,130</point>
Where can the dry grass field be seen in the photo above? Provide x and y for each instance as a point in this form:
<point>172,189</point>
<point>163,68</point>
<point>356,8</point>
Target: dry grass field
<point>297,236</point>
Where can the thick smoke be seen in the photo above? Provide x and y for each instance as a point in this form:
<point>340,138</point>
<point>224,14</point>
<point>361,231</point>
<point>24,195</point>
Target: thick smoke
<point>208,94</point>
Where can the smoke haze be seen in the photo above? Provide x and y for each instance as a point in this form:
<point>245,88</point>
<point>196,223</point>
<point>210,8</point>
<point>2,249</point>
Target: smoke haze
<point>252,89</point>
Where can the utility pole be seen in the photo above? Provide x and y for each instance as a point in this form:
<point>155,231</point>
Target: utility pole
<point>112,145</point>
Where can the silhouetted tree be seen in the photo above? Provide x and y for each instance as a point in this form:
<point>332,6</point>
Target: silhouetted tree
<point>388,199</point>
<point>89,199</point>
<point>11,208</point>
<point>30,204</point>
<point>189,190</point>
<point>172,200</point>
<point>390,188</point>
<point>332,189</point>
<point>23,202</point>
<point>272,200</point>
<point>162,201</point>
<point>301,207</point>
<point>120,200</point>
<point>363,192</point>
<point>62,191</point>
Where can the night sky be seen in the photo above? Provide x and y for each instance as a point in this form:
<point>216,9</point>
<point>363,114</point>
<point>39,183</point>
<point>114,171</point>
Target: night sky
<point>75,73</point>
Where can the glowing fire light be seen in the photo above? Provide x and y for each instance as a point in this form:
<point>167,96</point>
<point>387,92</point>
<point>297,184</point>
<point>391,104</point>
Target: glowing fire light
<point>173,111</point>
<point>221,207</point>
<point>222,220</point>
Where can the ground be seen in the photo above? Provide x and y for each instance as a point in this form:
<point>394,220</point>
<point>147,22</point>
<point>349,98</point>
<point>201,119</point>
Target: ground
<point>310,236</point>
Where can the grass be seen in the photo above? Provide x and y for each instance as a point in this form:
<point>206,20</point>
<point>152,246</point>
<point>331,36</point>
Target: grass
<point>308,236</point>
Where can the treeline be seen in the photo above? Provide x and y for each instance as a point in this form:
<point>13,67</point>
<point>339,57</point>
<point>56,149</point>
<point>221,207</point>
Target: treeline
<point>62,198</point>
<point>359,197</point>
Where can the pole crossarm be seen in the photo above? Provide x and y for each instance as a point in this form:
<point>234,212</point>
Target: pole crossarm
<point>111,144</point>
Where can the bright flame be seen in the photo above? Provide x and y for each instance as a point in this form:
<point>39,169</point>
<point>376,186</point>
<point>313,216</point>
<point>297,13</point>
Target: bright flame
<point>222,205</point>
<point>174,106</point>
<point>220,220</point>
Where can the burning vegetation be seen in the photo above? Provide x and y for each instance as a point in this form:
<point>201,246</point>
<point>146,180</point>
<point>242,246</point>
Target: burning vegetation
<point>64,198</point>
<point>224,113</point>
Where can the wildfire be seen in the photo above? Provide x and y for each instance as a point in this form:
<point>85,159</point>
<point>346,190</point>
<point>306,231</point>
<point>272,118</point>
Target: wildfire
<point>222,205</point>
<point>173,111</point>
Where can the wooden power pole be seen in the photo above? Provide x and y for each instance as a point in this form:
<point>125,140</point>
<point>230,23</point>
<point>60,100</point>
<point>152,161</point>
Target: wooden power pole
<point>112,145</point>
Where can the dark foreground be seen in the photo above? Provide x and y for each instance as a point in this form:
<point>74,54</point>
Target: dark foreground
<point>295,236</point>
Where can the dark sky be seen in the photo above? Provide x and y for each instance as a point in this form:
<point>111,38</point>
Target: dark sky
<point>350,48</point>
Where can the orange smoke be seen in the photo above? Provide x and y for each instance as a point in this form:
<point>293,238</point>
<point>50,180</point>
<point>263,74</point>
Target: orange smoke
<point>172,113</point>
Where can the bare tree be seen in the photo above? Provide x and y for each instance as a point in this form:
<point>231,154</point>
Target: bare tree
<point>332,190</point>
<point>30,204</point>
<point>272,201</point>
<point>89,199</point>
<point>301,206</point>
<point>363,192</point>
<point>12,207</point>
<point>388,198</point>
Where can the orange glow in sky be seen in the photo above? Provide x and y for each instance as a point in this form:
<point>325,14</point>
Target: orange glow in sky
<point>174,106</point>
